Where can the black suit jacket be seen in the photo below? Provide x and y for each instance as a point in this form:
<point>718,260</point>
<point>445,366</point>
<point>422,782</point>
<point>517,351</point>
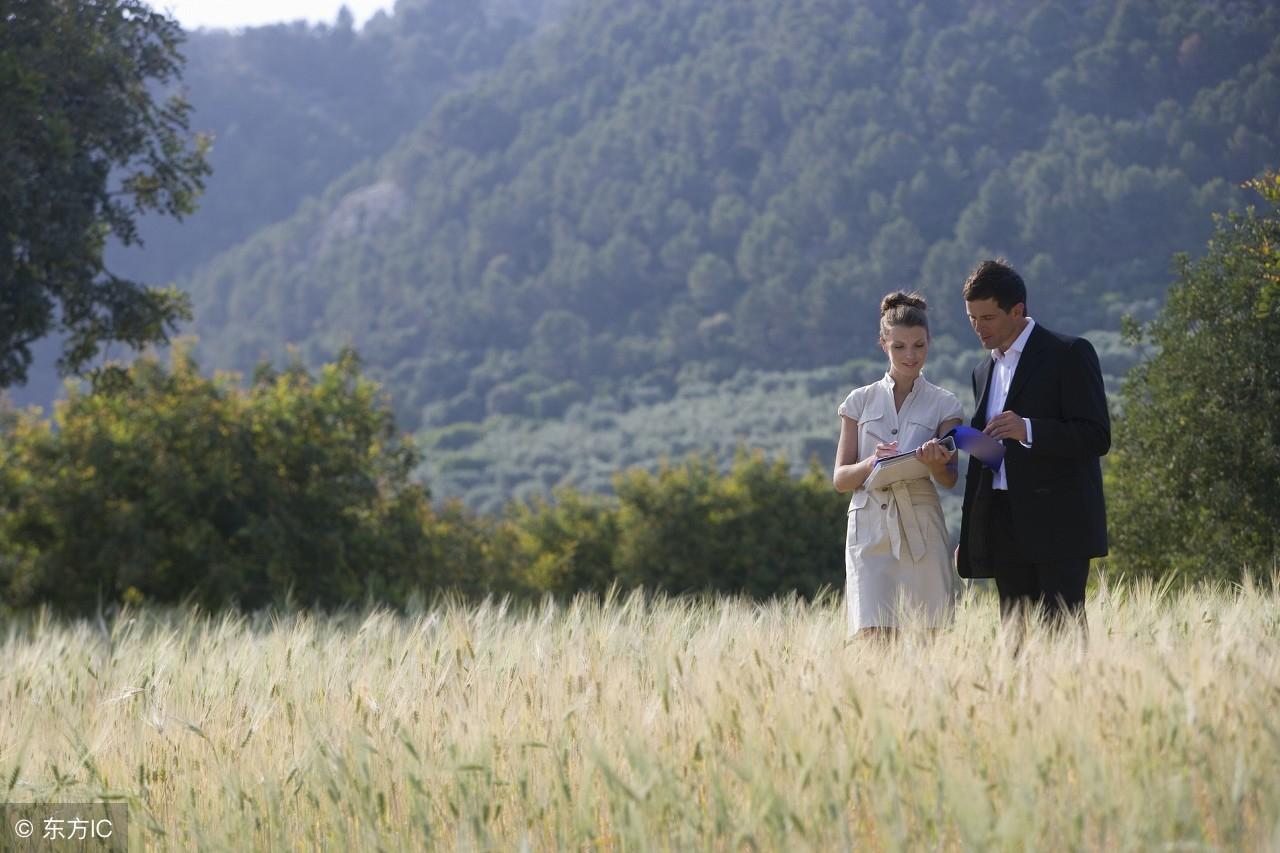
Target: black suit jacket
<point>1055,486</point>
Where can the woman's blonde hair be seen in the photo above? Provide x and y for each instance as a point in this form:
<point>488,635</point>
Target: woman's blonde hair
<point>902,309</point>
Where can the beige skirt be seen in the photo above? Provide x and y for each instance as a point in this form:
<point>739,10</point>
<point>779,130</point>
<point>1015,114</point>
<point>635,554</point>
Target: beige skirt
<point>898,565</point>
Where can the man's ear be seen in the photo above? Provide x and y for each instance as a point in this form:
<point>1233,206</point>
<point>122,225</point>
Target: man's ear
<point>1018,311</point>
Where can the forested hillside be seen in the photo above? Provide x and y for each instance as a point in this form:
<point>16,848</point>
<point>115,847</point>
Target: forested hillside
<point>291,107</point>
<point>591,209</point>
<point>658,190</point>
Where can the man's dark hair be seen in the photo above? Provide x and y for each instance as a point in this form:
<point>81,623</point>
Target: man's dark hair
<point>996,280</point>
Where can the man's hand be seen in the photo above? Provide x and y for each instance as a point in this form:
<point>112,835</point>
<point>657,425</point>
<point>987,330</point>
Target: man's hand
<point>1007,425</point>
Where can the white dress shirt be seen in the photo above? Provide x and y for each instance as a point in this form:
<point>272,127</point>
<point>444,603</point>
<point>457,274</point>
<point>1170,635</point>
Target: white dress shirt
<point>1006,363</point>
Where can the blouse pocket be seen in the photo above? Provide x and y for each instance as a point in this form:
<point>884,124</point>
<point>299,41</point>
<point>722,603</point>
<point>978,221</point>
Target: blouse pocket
<point>917,432</point>
<point>878,431</point>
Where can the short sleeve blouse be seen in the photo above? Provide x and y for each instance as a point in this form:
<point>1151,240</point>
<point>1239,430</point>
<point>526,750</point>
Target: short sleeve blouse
<point>924,410</point>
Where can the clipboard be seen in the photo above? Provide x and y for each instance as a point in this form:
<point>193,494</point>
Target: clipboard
<point>903,466</point>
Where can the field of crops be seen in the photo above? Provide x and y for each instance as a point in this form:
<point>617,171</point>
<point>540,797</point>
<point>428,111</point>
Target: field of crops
<point>640,723</point>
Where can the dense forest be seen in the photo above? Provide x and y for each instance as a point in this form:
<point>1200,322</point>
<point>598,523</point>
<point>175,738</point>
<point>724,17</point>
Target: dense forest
<point>524,221</point>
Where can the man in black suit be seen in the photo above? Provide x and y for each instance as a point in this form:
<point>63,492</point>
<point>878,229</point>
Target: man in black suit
<point>1033,523</point>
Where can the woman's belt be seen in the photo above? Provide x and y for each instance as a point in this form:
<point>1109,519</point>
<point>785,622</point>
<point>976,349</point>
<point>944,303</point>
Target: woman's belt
<point>900,498</point>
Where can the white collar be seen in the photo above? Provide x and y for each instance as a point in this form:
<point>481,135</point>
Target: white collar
<point>1019,343</point>
<point>888,382</point>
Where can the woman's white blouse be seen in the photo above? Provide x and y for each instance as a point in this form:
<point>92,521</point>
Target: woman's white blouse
<point>925,408</point>
<point>922,412</point>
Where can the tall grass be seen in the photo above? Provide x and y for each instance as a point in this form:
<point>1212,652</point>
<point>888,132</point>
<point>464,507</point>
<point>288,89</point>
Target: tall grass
<point>640,724</point>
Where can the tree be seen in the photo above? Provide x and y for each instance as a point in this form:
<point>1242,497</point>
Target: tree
<point>86,147</point>
<point>167,485</point>
<point>1195,478</point>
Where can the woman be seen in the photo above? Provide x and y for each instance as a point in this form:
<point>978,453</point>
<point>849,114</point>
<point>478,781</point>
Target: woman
<point>896,551</point>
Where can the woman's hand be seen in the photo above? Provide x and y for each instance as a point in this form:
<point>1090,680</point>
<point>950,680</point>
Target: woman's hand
<point>936,456</point>
<point>883,450</point>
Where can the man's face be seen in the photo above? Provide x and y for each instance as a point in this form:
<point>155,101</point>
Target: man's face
<point>995,327</point>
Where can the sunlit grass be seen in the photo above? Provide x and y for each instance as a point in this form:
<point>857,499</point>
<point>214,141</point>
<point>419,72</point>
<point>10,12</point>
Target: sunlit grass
<point>667,724</point>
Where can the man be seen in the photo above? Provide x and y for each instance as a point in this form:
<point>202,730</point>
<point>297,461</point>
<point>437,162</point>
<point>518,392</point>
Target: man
<point>1034,522</point>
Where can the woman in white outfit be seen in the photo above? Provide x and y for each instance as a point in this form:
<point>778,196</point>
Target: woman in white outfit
<point>897,556</point>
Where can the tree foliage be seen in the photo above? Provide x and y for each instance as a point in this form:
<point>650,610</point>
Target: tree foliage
<point>86,146</point>
<point>1194,481</point>
<point>167,486</point>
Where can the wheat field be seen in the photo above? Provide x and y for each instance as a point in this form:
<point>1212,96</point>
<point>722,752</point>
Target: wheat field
<point>638,723</point>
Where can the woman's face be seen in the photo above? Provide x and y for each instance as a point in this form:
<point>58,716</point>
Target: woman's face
<point>907,347</point>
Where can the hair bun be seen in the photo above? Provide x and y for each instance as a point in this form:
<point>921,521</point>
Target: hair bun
<point>900,299</point>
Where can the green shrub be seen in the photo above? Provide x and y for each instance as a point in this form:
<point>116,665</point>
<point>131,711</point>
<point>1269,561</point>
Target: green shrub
<point>756,531</point>
<point>166,485</point>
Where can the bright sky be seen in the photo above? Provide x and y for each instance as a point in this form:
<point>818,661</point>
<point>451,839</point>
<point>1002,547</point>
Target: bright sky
<point>249,13</point>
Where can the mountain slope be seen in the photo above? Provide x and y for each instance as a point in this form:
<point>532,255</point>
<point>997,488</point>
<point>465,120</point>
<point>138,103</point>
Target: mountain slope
<point>292,107</point>
<point>662,190</point>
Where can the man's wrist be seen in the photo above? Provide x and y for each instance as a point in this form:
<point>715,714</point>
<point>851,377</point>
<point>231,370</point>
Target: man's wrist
<point>1027,423</point>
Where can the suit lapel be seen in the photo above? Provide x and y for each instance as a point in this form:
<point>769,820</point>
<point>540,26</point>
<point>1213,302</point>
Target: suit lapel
<point>982,384</point>
<point>1028,363</point>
